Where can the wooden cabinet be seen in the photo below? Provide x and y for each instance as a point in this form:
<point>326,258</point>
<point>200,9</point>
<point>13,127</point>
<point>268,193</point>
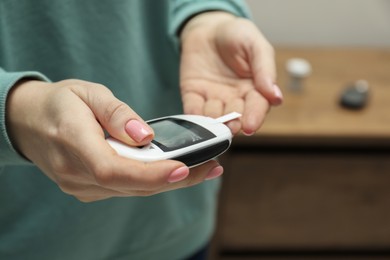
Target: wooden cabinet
<point>314,181</point>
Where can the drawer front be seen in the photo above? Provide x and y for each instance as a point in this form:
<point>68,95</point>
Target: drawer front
<point>306,200</point>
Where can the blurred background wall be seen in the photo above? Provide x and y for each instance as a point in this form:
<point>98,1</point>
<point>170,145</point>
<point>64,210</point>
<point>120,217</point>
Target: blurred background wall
<point>364,23</point>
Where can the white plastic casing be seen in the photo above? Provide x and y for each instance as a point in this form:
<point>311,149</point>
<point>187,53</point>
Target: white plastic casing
<point>152,152</point>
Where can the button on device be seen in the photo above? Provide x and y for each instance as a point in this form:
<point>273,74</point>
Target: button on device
<point>355,96</point>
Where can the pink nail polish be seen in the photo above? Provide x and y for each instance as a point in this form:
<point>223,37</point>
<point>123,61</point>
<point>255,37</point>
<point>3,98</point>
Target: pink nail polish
<point>179,174</point>
<point>137,130</point>
<point>278,94</point>
<point>214,173</point>
<point>248,133</point>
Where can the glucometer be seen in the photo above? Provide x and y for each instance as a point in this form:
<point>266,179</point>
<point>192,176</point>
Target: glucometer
<point>191,139</point>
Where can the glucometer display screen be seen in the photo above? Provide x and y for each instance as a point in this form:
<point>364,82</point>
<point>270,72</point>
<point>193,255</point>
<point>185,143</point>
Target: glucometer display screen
<point>172,134</point>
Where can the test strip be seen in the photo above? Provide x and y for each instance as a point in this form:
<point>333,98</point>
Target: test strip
<point>228,117</point>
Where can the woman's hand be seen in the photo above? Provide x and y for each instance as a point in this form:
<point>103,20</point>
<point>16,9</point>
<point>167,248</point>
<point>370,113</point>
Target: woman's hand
<point>60,128</point>
<point>227,65</point>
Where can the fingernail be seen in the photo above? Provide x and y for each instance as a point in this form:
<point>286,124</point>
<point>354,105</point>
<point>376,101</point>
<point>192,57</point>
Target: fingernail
<point>214,173</point>
<point>179,174</point>
<point>248,133</point>
<point>137,130</point>
<point>279,95</point>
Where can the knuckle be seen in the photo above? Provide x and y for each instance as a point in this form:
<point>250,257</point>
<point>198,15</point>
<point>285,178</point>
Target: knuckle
<point>84,199</point>
<point>104,175</point>
<point>192,181</point>
<point>67,187</point>
<point>270,49</point>
<point>88,199</point>
<point>113,109</point>
<point>72,82</point>
<point>145,193</point>
<point>100,88</point>
<point>147,182</point>
<point>61,168</point>
<point>62,132</point>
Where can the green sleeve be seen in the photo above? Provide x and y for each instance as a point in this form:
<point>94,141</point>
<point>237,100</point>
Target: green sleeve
<point>182,10</point>
<point>8,155</point>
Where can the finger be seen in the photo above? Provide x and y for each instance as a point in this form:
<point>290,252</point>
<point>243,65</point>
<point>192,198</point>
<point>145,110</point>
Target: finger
<point>264,70</point>
<point>96,194</point>
<point>207,171</point>
<point>89,193</point>
<point>116,117</point>
<point>256,107</point>
<point>193,103</point>
<point>117,173</point>
<point>213,108</point>
<point>126,175</point>
<point>235,105</point>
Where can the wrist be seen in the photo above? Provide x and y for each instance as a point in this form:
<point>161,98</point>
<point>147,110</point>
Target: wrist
<point>206,20</point>
<point>20,102</point>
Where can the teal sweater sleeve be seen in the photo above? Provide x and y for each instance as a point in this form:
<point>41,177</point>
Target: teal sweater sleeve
<point>8,155</point>
<point>183,10</point>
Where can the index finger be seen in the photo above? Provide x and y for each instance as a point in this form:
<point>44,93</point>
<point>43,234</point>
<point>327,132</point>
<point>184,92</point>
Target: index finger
<point>255,110</point>
<point>264,69</point>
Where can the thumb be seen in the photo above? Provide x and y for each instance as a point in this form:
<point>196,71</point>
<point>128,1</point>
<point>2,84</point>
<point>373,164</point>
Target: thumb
<point>117,118</point>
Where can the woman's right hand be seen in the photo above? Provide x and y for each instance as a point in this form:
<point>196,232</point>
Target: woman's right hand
<point>60,128</point>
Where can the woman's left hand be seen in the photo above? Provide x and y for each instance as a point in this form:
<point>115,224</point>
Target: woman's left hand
<point>227,65</point>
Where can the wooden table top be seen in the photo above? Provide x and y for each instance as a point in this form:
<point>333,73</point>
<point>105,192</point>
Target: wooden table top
<point>315,113</point>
